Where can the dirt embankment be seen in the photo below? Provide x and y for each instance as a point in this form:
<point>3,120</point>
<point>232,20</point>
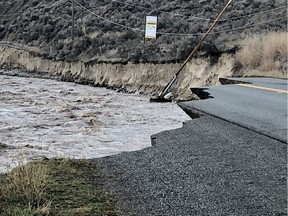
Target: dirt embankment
<point>145,78</point>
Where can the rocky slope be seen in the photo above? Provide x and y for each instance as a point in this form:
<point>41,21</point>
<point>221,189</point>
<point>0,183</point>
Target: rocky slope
<point>47,25</point>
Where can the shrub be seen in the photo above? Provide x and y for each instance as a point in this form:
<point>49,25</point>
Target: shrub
<point>47,29</point>
<point>31,36</point>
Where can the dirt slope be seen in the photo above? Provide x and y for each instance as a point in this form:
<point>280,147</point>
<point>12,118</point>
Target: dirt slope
<point>145,78</point>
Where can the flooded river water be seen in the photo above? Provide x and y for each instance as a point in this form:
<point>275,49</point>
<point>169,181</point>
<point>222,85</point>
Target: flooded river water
<point>42,117</point>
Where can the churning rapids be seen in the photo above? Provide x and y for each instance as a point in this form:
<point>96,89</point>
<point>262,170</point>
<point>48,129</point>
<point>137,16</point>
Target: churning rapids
<point>42,117</point>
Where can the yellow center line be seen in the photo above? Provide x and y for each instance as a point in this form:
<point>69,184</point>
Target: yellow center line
<point>264,88</point>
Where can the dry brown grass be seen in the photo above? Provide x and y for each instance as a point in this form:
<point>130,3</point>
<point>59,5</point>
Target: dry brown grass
<point>26,184</point>
<point>266,52</point>
<point>58,187</point>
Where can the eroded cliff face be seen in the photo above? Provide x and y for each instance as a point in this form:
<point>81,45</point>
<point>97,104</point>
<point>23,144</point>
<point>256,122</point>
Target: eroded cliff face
<point>143,78</point>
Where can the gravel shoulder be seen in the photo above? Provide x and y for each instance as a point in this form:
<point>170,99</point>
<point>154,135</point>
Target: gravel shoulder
<point>207,167</point>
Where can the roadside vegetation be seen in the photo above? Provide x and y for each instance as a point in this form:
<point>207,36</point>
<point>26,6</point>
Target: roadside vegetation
<point>264,52</point>
<point>54,187</point>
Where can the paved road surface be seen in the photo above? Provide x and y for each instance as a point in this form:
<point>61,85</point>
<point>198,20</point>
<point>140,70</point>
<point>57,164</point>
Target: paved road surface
<point>261,106</point>
<point>265,82</point>
<point>210,166</point>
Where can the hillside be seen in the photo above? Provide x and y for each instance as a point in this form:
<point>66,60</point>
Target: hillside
<point>118,35</point>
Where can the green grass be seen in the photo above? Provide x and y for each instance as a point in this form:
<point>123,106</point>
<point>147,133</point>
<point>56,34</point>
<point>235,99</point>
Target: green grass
<point>54,187</point>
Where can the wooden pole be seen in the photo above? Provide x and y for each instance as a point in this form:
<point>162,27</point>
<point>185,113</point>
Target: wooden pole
<point>203,38</point>
<point>168,86</point>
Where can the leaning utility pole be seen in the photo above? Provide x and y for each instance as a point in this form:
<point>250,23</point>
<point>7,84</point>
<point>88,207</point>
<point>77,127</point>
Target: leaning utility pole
<point>161,98</point>
<point>72,32</point>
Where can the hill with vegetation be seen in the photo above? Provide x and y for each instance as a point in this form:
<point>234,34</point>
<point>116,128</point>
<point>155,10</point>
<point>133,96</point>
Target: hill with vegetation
<point>112,30</point>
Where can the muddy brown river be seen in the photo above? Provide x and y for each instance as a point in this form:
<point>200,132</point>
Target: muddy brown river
<point>42,117</point>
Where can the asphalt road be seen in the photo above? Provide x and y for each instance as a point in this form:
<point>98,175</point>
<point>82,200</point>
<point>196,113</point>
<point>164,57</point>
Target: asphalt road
<point>265,82</point>
<point>260,106</point>
<point>210,166</point>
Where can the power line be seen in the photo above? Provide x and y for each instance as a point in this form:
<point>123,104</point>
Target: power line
<point>176,14</point>
<point>250,25</point>
<point>253,14</point>
<point>202,18</point>
<point>107,20</point>
<point>177,34</point>
<point>228,30</point>
<point>145,8</point>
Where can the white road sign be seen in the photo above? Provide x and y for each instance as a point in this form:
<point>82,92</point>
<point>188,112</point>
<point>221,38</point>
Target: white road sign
<point>151,27</point>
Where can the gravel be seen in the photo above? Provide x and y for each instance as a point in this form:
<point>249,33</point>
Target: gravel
<point>208,167</point>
